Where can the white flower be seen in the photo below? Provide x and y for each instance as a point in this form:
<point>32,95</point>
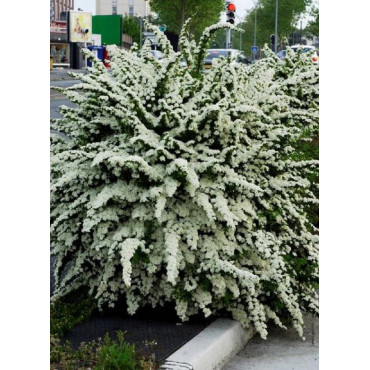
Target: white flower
<point>192,188</point>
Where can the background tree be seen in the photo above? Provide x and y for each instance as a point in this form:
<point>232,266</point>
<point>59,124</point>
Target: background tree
<point>312,28</point>
<point>130,26</point>
<point>218,41</point>
<point>174,13</point>
<point>289,13</point>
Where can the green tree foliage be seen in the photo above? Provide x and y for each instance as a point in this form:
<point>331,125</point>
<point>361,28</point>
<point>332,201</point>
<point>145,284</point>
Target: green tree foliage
<point>312,28</point>
<point>174,13</point>
<point>289,12</point>
<point>130,26</point>
<point>218,40</point>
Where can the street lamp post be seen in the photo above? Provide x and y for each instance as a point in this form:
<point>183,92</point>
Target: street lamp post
<point>255,29</point>
<point>85,48</point>
<point>141,31</point>
<point>240,19</point>
<point>276,25</point>
<point>85,31</point>
<point>255,24</point>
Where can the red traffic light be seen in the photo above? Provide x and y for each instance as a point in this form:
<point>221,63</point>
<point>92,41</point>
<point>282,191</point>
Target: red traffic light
<point>231,7</point>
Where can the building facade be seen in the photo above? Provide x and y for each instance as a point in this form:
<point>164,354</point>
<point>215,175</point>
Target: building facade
<point>59,9</point>
<point>59,45</point>
<point>138,8</point>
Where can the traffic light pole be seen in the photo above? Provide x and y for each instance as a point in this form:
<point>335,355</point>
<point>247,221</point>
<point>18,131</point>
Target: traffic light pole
<point>228,39</point>
<point>230,18</point>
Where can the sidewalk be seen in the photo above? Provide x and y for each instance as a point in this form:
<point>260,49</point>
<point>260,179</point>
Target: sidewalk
<point>283,350</point>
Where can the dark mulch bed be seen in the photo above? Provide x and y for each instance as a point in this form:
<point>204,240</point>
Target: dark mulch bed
<point>160,325</point>
<point>157,325</point>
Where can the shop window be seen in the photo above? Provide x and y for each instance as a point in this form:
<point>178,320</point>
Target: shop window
<point>60,53</point>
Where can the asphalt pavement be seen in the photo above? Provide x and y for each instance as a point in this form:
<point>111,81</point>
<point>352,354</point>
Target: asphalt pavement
<point>60,78</point>
<point>55,104</point>
<point>59,74</point>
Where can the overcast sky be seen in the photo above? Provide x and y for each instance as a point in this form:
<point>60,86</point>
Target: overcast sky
<point>241,6</point>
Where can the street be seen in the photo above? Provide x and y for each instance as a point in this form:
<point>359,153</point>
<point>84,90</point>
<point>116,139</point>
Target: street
<point>57,99</point>
<point>55,104</point>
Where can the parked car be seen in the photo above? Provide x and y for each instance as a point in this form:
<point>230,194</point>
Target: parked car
<point>157,54</point>
<point>236,55</point>
<point>304,49</point>
<point>281,54</point>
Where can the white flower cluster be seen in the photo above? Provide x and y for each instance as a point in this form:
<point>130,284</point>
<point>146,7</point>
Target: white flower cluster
<point>192,188</point>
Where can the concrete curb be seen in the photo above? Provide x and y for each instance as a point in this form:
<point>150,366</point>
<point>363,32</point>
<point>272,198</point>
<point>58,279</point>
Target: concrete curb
<point>212,348</point>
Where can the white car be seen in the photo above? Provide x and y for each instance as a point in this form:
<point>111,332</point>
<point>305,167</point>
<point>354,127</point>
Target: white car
<point>305,49</point>
<point>235,54</point>
<point>157,54</point>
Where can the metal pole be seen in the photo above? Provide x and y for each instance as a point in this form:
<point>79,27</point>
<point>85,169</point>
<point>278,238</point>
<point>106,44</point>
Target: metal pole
<point>141,31</point>
<point>228,33</point>
<point>276,25</point>
<point>85,48</point>
<point>255,29</point>
<point>255,25</point>
<point>228,38</point>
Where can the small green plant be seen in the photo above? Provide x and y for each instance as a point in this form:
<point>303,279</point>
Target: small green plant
<point>69,311</point>
<point>99,355</point>
<point>105,354</point>
<point>64,357</point>
<point>117,356</point>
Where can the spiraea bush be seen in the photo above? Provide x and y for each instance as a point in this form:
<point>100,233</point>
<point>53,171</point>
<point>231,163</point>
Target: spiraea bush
<point>189,187</point>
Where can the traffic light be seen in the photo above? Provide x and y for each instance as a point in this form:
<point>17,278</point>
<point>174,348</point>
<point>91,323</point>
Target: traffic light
<point>272,39</point>
<point>230,12</point>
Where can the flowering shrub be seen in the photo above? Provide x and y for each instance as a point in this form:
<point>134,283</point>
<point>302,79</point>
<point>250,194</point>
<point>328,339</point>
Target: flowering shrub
<point>189,187</point>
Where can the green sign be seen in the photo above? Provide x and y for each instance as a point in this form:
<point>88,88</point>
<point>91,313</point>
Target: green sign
<point>109,27</point>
